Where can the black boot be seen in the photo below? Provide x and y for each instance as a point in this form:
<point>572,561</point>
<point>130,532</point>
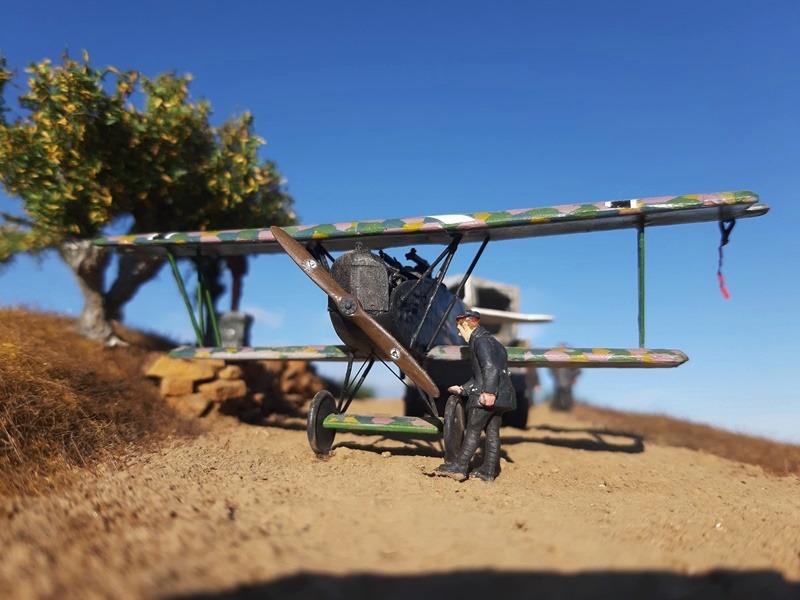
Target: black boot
<point>490,468</point>
<point>459,467</point>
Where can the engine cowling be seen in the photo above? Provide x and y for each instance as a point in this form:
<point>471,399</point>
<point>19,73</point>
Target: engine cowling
<point>365,276</point>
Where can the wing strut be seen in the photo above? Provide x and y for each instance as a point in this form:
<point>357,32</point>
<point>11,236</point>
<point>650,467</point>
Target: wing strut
<point>347,394</point>
<point>456,293</point>
<point>203,299</point>
<point>640,255</point>
<point>450,251</point>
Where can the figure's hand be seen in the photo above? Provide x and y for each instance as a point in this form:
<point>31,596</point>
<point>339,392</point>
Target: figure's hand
<point>487,399</point>
<point>456,389</point>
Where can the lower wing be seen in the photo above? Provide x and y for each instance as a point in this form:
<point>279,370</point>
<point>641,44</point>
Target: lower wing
<point>619,358</point>
<point>316,353</point>
<point>575,357</point>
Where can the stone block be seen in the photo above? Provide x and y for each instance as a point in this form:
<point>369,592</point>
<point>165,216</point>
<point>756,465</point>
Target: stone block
<point>294,368</point>
<point>230,372</point>
<point>275,367</point>
<point>214,363</point>
<point>181,368</point>
<point>222,390</point>
<point>193,405</point>
<point>176,386</point>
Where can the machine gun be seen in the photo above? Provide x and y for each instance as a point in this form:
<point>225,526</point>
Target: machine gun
<point>420,264</point>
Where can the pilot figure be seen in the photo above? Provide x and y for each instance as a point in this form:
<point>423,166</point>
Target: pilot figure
<point>490,394</point>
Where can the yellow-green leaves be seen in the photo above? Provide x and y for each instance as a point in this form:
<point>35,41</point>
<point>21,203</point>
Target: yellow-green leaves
<point>80,155</point>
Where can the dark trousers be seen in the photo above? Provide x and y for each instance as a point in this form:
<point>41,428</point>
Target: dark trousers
<point>477,420</point>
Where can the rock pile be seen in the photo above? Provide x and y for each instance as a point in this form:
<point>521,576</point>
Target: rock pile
<point>200,386</point>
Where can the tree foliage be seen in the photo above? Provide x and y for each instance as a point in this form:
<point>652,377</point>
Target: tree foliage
<point>81,156</point>
<point>91,148</point>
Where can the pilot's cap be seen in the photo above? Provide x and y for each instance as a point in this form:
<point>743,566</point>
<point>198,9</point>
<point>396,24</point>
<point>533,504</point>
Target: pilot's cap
<point>473,315</point>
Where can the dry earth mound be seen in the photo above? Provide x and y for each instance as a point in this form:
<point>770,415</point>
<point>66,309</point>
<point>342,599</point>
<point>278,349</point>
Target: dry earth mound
<point>586,506</point>
<point>67,402</point>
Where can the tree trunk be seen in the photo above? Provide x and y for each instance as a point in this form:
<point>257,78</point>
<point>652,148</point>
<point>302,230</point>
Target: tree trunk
<point>134,270</point>
<point>237,265</point>
<point>88,262</point>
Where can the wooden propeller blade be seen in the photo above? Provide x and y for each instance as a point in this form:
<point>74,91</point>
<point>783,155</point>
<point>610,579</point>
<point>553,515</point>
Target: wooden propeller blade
<point>350,308</point>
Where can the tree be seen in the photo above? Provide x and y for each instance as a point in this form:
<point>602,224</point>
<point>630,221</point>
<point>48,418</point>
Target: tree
<point>82,157</point>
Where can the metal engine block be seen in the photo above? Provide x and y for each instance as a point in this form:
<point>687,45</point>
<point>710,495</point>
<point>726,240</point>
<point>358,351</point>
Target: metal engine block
<point>364,275</point>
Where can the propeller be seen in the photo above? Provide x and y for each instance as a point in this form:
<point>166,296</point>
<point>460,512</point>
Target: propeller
<point>351,309</point>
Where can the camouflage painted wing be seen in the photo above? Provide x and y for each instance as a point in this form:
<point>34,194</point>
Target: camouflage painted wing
<point>440,229</point>
<point>316,353</point>
<point>641,358</point>
<point>544,357</point>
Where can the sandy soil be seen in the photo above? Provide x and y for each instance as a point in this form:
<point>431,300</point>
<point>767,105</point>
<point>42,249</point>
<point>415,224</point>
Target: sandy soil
<point>248,511</point>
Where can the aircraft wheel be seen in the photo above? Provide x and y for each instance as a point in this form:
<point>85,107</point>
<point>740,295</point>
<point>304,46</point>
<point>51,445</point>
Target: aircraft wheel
<point>454,427</point>
<point>321,439</point>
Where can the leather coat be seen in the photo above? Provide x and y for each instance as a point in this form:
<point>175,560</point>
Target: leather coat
<point>489,373</point>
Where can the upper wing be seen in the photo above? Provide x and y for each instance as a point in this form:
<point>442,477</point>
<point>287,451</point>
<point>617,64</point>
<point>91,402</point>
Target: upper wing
<point>575,357</point>
<point>440,229</point>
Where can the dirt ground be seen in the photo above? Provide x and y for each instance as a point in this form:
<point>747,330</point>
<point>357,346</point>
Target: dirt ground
<point>248,511</point>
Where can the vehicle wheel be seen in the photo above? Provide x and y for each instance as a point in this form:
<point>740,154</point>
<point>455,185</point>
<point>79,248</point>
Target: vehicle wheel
<point>562,400</point>
<point>414,407</point>
<point>454,427</point>
<point>321,439</point>
<point>568,401</point>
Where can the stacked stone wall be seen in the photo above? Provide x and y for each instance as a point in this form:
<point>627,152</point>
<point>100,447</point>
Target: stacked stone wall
<point>200,386</point>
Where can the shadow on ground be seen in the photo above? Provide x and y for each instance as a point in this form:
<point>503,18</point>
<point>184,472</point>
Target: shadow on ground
<point>594,440</point>
<point>488,584</point>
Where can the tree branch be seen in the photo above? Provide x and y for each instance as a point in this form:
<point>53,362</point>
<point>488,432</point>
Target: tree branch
<point>15,219</point>
<point>134,270</point>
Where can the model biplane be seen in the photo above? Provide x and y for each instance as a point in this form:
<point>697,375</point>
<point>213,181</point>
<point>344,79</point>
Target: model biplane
<point>403,315</point>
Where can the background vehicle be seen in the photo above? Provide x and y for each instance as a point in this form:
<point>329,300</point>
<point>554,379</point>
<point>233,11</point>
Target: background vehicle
<point>499,305</point>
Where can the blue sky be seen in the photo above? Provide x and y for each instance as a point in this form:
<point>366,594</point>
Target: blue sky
<point>379,109</point>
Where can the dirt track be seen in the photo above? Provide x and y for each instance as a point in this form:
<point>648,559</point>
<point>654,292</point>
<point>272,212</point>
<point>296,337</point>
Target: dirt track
<point>249,511</point>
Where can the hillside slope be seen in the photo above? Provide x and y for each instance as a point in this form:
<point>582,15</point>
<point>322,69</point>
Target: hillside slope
<point>591,503</point>
<point>248,511</point>
<point>67,403</point>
